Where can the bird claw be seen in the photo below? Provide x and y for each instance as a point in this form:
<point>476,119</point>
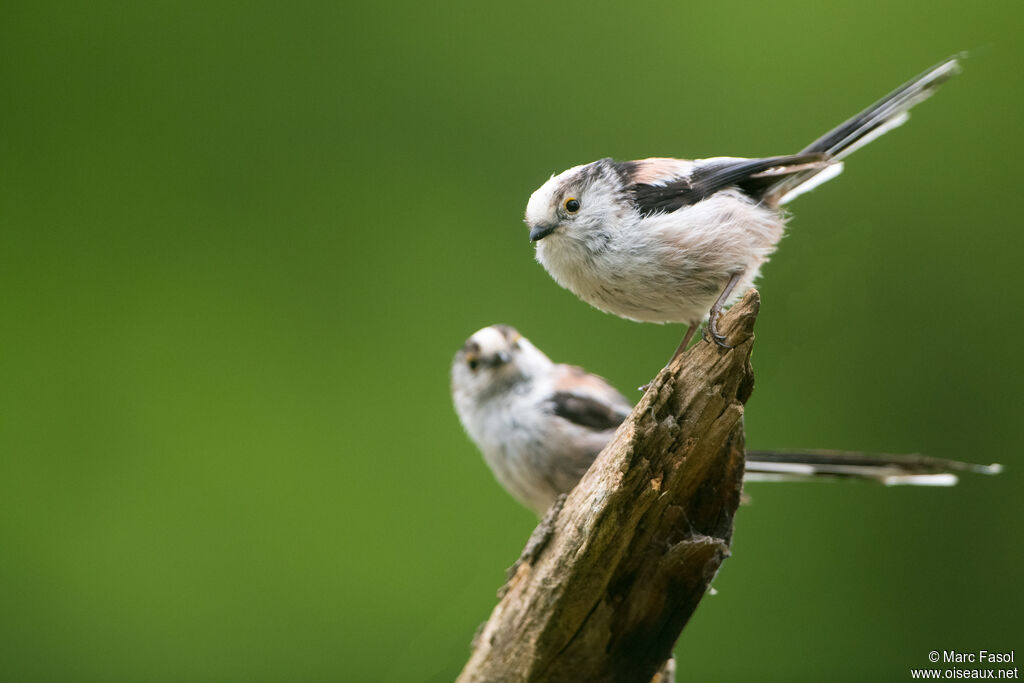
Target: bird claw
<point>711,331</point>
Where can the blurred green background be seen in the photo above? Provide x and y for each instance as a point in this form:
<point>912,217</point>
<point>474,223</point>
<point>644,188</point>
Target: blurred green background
<point>241,241</point>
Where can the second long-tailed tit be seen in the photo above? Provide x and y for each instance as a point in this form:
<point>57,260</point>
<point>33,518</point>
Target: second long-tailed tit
<point>541,424</point>
<point>670,240</point>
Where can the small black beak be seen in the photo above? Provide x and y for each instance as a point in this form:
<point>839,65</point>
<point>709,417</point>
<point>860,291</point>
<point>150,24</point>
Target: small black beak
<point>539,232</point>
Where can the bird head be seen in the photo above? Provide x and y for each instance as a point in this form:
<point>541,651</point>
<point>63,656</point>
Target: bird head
<point>494,357</point>
<point>580,204</point>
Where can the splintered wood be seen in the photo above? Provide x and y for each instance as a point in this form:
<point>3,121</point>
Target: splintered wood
<point>616,569</point>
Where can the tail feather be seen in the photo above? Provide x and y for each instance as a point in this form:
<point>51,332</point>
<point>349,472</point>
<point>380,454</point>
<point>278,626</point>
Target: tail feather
<point>891,470</point>
<point>887,113</point>
<point>881,117</point>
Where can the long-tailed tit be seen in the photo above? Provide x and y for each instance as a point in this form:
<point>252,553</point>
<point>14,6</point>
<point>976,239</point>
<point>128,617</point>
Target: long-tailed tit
<point>540,424</point>
<point>670,240</point>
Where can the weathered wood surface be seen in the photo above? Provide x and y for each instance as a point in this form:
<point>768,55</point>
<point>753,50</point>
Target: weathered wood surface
<point>613,574</point>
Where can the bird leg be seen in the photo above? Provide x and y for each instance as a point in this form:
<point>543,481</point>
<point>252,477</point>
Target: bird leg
<point>712,326</point>
<point>690,329</point>
<point>716,310</point>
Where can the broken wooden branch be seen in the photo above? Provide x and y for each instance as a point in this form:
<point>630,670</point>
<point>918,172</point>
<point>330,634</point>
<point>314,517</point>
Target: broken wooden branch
<point>616,569</point>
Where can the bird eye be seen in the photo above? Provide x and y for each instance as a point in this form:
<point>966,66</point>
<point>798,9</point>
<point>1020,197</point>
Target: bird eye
<point>572,205</point>
<point>472,363</point>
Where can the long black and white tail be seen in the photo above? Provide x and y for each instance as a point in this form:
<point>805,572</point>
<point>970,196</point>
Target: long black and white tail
<point>885,469</point>
<point>881,117</point>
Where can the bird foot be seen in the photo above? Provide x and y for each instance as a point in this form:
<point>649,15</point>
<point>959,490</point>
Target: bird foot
<point>711,330</point>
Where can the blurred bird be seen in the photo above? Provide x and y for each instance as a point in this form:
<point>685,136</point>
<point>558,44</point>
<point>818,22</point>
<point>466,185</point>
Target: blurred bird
<point>670,240</point>
<point>540,425</point>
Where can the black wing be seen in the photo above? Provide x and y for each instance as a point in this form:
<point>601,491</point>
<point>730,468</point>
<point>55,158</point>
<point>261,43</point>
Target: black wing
<point>586,411</point>
<point>755,177</point>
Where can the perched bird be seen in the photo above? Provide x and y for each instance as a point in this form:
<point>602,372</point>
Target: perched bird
<point>670,240</point>
<point>540,424</point>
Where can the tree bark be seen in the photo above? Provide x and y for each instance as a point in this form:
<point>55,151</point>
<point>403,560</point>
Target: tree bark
<point>616,569</point>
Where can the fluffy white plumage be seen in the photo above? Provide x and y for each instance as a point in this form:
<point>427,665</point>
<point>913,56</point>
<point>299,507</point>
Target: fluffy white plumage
<point>669,267</point>
<point>505,391</point>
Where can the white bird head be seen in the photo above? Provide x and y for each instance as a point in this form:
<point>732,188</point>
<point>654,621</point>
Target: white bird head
<point>494,358</point>
<point>580,204</point>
